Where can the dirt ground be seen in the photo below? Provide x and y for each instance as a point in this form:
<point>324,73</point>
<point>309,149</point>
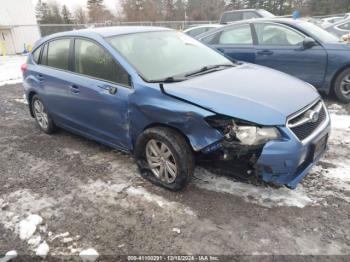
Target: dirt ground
<point>91,196</point>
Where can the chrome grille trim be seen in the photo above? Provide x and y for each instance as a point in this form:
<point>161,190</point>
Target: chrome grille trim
<point>325,122</point>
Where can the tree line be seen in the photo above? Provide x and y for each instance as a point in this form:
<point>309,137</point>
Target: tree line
<point>95,11</point>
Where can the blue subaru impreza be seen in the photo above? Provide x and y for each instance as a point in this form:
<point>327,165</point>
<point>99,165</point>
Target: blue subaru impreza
<point>169,99</point>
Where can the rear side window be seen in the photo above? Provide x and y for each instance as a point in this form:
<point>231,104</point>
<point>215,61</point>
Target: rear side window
<point>36,55</point>
<point>241,35</point>
<point>58,54</point>
<point>92,60</point>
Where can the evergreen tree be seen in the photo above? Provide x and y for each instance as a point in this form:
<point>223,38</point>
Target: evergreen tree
<point>66,15</point>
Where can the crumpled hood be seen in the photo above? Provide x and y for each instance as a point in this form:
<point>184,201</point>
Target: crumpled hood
<point>248,92</point>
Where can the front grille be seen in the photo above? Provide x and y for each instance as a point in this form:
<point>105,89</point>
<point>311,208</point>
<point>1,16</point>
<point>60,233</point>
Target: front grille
<point>305,123</point>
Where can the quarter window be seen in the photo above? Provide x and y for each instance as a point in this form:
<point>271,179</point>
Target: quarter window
<point>36,55</point>
<point>92,60</point>
<point>271,34</point>
<point>238,35</point>
<point>58,54</point>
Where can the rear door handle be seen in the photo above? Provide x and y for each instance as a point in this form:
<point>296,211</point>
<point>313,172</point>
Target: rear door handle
<point>40,77</point>
<point>74,89</point>
<point>265,52</point>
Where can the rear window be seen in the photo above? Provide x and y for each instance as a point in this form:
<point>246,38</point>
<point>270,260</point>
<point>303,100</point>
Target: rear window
<point>231,17</point>
<point>58,54</point>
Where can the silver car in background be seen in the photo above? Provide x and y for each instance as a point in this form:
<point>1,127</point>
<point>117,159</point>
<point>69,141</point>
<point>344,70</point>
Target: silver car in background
<point>340,28</point>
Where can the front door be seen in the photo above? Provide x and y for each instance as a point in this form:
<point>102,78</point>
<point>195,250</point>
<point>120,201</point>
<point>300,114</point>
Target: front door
<point>99,94</point>
<point>281,48</point>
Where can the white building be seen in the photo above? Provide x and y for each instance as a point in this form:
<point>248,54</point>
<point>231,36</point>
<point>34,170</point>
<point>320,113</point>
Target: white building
<point>18,25</point>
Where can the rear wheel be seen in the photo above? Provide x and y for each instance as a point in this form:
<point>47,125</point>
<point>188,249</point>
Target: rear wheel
<point>342,86</point>
<point>42,116</point>
<point>165,158</point>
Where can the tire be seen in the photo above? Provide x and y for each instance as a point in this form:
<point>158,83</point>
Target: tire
<point>181,156</point>
<point>341,85</point>
<point>42,117</point>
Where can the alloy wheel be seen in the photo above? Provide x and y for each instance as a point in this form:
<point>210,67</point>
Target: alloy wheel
<point>161,161</point>
<point>345,86</point>
<point>40,114</point>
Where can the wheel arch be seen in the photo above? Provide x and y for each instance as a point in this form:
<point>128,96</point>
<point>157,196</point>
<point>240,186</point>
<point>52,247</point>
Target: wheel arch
<point>156,124</point>
<point>30,99</point>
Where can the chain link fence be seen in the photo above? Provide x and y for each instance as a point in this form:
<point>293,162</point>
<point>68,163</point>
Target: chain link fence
<point>48,29</point>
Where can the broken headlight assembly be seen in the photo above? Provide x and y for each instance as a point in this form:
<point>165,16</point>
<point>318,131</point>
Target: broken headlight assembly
<point>245,133</point>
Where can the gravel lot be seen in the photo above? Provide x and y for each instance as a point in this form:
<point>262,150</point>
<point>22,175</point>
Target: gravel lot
<point>91,196</point>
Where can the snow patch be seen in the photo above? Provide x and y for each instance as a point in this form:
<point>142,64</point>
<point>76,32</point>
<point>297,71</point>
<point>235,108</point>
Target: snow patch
<point>22,100</point>
<point>268,197</point>
<point>34,241</point>
<point>27,227</point>
<point>10,69</point>
<point>89,255</point>
<point>340,122</point>
<point>9,256</point>
<point>43,249</point>
<point>176,230</point>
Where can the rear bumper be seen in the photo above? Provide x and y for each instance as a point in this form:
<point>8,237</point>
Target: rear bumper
<point>288,161</point>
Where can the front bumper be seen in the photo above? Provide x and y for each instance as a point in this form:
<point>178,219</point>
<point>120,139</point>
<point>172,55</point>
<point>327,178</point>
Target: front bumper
<point>288,161</point>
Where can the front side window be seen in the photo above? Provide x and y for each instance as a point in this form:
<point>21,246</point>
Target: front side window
<point>58,53</point>
<point>271,34</point>
<point>163,54</point>
<point>92,60</point>
<point>241,35</point>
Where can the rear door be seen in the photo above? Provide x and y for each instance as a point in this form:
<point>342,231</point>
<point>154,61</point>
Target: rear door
<point>281,47</point>
<point>235,42</point>
<point>53,75</point>
<point>98,94</point>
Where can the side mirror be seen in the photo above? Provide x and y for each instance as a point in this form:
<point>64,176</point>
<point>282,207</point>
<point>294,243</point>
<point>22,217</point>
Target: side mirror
<point>309,43</point>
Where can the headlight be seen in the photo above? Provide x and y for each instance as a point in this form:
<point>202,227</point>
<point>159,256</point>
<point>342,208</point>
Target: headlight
<point>252,135</point>
<point>243,132</point>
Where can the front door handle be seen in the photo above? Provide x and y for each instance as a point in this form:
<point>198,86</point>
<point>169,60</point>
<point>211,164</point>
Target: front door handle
<point>265,52</point>
<point>112,90</point>
<point>74,89</point>
<point>40,77</point>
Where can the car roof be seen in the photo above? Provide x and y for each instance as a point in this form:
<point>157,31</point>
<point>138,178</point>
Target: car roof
<point>241,10</point>
<point>105,32</point>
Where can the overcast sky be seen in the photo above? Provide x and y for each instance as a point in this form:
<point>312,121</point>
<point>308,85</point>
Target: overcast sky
<point>111,4</point>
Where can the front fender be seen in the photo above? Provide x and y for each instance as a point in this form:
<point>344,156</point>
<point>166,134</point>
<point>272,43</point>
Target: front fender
<point>157,108</point>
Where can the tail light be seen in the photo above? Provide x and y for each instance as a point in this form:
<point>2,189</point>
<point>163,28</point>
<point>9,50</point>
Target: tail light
<point>24,67</point>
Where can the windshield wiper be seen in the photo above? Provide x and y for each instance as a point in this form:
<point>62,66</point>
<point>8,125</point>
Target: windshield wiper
<point>208,69</point>
<point>170,79</point>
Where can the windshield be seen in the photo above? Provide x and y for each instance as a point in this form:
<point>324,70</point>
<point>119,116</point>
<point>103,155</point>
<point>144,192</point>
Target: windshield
<point>164,54</point>
<point>318,32</point>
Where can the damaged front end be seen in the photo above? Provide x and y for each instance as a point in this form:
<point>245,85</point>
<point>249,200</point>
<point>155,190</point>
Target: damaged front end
<point>276,155</point>
<point>242,144</point>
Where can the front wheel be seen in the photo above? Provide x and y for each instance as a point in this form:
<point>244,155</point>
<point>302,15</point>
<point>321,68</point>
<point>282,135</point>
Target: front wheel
<point>164,158</point>
<point>342,86</point>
